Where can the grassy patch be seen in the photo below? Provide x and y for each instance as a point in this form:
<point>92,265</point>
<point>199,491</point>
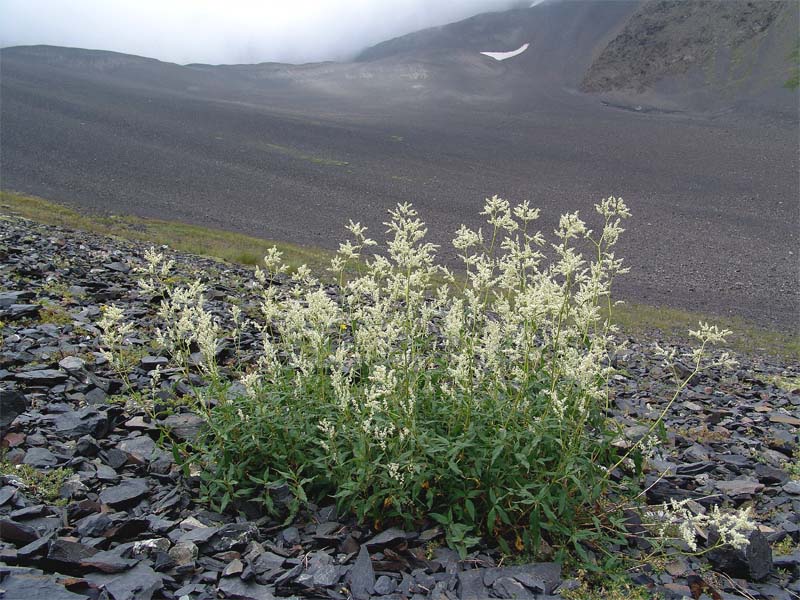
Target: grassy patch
<point>635,319</point>
<point>215,243</point>
<point>642,320</point>
<point>40,485</point>
<point>294,153</point>
<point>54,314</point>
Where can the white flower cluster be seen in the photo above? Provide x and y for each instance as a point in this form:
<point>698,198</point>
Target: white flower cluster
<point>114,331</point>
<point>387,338</point>
<point>732,527</point>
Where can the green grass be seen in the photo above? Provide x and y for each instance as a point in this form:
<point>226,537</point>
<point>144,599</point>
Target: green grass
<point>294,153</point>
<point>39,485</point>
<point>641,320</point>
<point>637,320</point>
<point>215,243</point>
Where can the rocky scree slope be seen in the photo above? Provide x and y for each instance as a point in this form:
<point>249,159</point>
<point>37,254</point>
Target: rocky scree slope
<point>124,522</point>
<point>703,55</point>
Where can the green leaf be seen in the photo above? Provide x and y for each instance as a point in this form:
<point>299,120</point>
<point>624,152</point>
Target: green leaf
<point>439,518</point>
<point>470,506</point>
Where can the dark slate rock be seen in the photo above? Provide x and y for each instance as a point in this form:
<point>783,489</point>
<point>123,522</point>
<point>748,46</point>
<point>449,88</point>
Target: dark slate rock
<point>114,458</point>
<point>67,555</point>
<point>470,585</point>
<point>753,562</point>
<point>75,424</point>
<point>362,576</point>
<point>72,364</point>
<point>109,561</point>
<point>266,561</point>
<point>198,535</point>
<point>184,426</point>
<point>139,449</point>
<point>139,583</point>
<point>383,587</point>
<point>119,267</point>
<point>35,548</point>
<point>541,577</point>
<point>508,587</point>
<point>20,311</point>
<point>12,404</point>
<point>35,586</point>
<point>390,537</point>
<point>7,492</point>
<point>163,561</point>
<point>230,537</point>
<point>233,587</point>
<point>95,525</point>
<point>96,396</point>
<point>17,533</point>
<point>30,512</point>
<point>792,487</point>
<point>41,458</point>
<point>127,493</point>
<point>150,363</point>
<point>326,575</point>
<point>8,298</point>
<point>87,446</point>
<point>48,377</point>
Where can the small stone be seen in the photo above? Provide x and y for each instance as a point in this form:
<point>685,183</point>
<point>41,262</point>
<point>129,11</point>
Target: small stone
<point>67,554</point>
<point>470,585</point>
<point>41,458</point>
<point>739,487</point>
<point>109,562</point>
<point>383,586</point>
<point>183,553</point>
<point>17,533</point>
<point>233,587</point>
<point>72,363</point>
<point>362,576</point>
<point>235,567</point>
<point>770,475</point>
<point>291,536</point>
<point>36,586</point>
<point>793,487</point>
<point>7,492</point>
<point>48,377</point>
<point>138,583</point>
<point>127,493</point>
<point>786,419</point>
<point>390,537</point>
<point>753,562</point>
<point>12,404</point>
<point>119,267</point>
<point>508,587</point>
<point>75,424</point>
<point>139,449</point>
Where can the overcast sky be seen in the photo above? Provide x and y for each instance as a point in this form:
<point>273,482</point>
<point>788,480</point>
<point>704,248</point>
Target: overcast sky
<point>227,31</point>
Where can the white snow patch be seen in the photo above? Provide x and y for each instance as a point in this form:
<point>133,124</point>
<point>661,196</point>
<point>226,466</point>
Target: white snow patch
<point>505,55</point>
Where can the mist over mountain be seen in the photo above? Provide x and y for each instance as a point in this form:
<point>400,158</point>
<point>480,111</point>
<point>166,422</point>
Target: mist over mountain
<point>561,103</point>
<point>244,31</point>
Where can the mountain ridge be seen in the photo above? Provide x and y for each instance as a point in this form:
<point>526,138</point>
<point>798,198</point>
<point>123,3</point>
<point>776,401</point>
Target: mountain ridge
<point>282,151</point>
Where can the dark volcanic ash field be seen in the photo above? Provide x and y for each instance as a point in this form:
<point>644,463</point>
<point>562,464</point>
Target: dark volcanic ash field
<point>292,152</point>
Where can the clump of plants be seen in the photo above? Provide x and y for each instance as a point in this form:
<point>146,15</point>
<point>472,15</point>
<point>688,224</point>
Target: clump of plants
<point>407,396</point>
<point>41,485</point>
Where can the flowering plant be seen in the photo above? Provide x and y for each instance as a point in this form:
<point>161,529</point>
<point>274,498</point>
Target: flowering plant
<point>407,394</point>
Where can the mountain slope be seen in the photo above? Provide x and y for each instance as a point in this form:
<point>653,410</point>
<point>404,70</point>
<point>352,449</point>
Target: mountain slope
<point>290,151</point>
<point>703,54</point>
